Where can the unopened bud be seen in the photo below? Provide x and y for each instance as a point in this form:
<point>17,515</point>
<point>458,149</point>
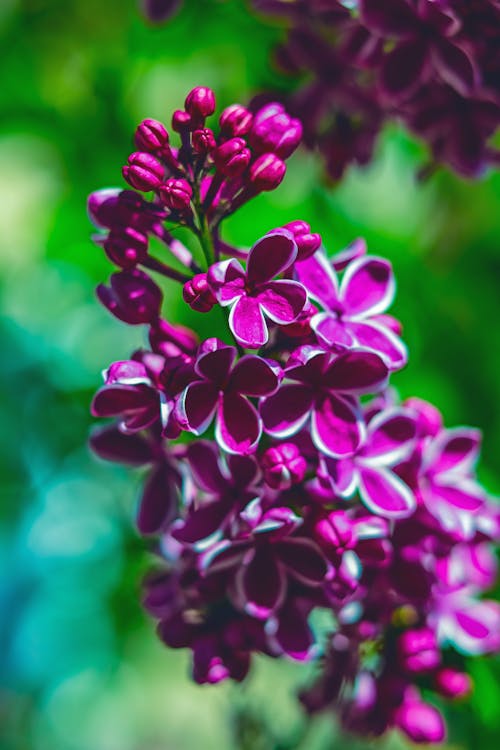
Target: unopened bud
<point>232,157</point>
<point>200,102</point>
<point>235,120</point>
<point>283,465</point>
<point>176,194</point>
<point>267,172</point>
<point>203,141</point>
<point>143,171</point>
<point>151,135</point>
<point>307,242</point>
<point>198,294</point>
<point>126,247</point>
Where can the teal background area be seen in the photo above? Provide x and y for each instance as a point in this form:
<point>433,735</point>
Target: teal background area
<point>80,666</point>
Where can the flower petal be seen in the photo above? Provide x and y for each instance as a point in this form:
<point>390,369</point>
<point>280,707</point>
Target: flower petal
<point>390,436</point>
<point>357,371</point>
<point>377,337</point>
<point>159,502</point>
<point>367,287</point>
<point>303,560</point>
<point>270,255</point>
<point>319,278</point>
<point>253,376</point>
<point>405,67</point>
<point>337,427</point>
<point>215,365</point>
<point>293,634</point>
<point>467,495</point>
<point>283,300</point>
<point>389,18</point>
<point>196,406</point>
<point>384,493</point>
<point>203,458</point>
<point>238,425</point>
<point>202,522</point>
<point>261,583</point>
<point>455,450</point>
<point>110,444</point>
<point>286,411</point>
<point>227,281</point>
<point>332,332</point>
<point>455,66</point>
<point>247,323</point>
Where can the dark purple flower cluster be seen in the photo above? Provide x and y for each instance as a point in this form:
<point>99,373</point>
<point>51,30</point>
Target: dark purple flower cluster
<point>432,64</point>
<point>283,475</point>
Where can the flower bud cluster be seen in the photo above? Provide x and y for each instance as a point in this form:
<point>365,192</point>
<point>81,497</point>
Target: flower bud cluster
<point>275,485</point>
<point>432,65</point>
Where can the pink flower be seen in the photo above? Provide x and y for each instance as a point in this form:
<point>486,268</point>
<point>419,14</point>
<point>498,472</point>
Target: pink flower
<point>252,294</point>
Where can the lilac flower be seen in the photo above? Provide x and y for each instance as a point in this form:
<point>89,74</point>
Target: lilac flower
<point>389,439</point>
<point>221,389</point>
<point>323,393</point>
<point>253,294</point>
<point>352,312</point>
<point>266,562</point>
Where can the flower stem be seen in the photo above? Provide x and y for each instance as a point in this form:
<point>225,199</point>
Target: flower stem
<point>156,265</point>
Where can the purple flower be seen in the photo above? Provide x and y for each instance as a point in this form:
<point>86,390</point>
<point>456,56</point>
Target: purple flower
<point>266,562</point>
<point>253,294</point>
<point>352,312</point>
<point>221,389</point>
<point>227,486</point>
<point>389,439</point>
<point>323,393</point>
<point>132,297</point>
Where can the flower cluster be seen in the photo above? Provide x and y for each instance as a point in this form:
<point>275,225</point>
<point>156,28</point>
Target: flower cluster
<point>283,476</point>
<point>434,65</point>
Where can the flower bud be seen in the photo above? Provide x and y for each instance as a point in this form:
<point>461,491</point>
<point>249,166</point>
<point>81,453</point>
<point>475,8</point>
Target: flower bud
<point>451,683</point>
<point>132,297</point>
<point>176,194</point>
<point>274,131</point>
<point>283,465</point>
<point>198,294</point>
<point>420,721</point>
<point>232,157</point>
<point>418,651</point>
<point>203,141</point>
<point>335,532</point>
<point>267,172</point>
<point>151,135</point>
<point>307,242</point>
<point>181,121</point>
<point>143,171</point>
<point>235,120</point>
<point>126,247</point>
<point>164,335</point>
<point>200,102</point>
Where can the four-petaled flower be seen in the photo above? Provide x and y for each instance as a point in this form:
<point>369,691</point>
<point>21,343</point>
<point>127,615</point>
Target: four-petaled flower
<point>253,294</point>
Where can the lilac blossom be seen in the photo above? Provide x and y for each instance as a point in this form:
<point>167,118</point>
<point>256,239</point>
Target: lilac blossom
<point>273,485</point>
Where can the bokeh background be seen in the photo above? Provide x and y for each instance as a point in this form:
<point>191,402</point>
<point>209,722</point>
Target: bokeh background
<point>80,666</point>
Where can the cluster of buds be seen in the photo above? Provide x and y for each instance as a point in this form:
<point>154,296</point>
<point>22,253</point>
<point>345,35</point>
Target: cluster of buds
<point>282,473</point>
<point>432,65</point>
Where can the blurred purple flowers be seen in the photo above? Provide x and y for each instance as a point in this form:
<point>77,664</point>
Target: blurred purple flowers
<point>289,478</point>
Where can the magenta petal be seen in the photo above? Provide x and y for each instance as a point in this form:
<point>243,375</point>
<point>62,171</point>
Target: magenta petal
<point>388,18</point>
<point>253,376</point>
<point>332,332</point>
<point>380,339</point>
<point>196,406</point>
<point>467,495</point>
<point>227,281</point>
<point>302,560</point>
<point>319,278</point>
<point>243,470</point>
<point>216,365</point>
<point>336,427</point>
<point>262,583</point>
<point>456,450</point>
<point>203,458</point>
<point>478,627</point>
<point>286,411</point>
<point>283,300</point>
<point>158,506</point>
<point>390,436</point>
<point>455,66</point>
<point>113,400</point>
<point>202,522</point>
<point>222,556</point>
<point>342,473</point>
<point>358,371</point>
<point>238,426</point>
<point>270,255</point>
<point>384,493</point>
<point>110,444</point>
<point>405,67</point>
<point>293,634</point>
<point>247,323</point>
<point>367,287</point>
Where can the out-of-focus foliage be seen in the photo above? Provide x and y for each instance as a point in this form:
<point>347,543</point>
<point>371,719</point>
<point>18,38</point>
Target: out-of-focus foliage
<point>80,666</point>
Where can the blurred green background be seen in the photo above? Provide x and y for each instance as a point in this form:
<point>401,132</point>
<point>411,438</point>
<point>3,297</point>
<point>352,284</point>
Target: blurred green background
<point>80,666</point>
